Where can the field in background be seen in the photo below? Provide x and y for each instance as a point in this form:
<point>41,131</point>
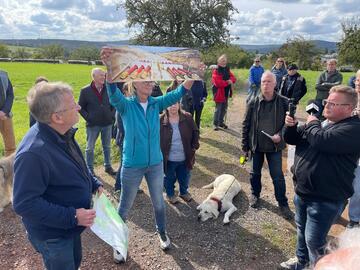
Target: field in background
<point>23,76</point>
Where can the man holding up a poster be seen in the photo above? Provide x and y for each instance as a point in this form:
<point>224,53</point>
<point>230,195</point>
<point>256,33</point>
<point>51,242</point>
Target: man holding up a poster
<point>142,154</point>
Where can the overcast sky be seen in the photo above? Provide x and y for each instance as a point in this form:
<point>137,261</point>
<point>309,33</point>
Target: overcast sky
<point>258,22</point>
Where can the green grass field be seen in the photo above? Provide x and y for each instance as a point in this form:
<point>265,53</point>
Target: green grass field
<point>23,76</point>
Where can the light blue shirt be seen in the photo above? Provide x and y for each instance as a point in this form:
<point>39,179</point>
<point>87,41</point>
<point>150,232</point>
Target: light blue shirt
<point>176,148</point>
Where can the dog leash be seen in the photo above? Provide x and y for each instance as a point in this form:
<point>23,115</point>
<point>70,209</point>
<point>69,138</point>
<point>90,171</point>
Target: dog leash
<point>219,201</point>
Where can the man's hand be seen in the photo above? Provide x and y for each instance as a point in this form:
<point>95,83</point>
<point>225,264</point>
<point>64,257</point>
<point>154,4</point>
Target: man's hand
<point>2,115</point>
<point>290,121</point>
<point>229,82</point>
<point>85,217</point>
<point>311,118</point>
<point>276,138</point>
<point>188,84</point>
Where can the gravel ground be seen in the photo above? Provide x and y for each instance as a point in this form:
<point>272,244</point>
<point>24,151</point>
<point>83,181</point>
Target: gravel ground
<point>254,239</point>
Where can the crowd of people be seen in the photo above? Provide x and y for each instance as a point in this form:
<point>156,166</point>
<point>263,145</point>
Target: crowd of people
<point>158,136</point>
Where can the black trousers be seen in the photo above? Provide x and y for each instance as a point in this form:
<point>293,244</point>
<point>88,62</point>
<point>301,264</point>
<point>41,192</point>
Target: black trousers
<point>196,113</point>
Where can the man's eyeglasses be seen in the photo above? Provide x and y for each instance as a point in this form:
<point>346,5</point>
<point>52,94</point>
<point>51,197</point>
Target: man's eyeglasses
<point>280,61</point>
<point>332,104</point>
<point>75,106</point>
<point>257,61</point>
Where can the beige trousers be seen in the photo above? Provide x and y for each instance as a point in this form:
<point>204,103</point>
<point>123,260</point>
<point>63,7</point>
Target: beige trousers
<point>7,132</point>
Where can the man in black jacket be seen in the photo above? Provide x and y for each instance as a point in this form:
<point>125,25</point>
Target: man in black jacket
<point>293,85</point>
<point>327,79</point>
<point>326,156</point>
<point>99,116</point>
<point>261,135</point>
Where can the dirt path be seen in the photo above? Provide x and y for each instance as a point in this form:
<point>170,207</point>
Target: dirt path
<point>255,239</point>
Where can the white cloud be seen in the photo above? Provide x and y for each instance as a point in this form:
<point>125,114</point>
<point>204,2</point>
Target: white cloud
<point>101,11</point>
<point>64,4</point>
<point>315,19</point>
<point>41,18</point>
<point>2,20</point>
<point>258,22</point>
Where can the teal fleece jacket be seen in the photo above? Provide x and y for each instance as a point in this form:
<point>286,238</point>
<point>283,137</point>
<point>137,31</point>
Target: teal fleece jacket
<point>142,131</point>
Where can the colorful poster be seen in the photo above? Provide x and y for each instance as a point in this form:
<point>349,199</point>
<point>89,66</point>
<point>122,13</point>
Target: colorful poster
<point>150,63</point>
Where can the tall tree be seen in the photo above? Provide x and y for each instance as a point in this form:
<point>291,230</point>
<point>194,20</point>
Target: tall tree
<point>237,57</point>
<point>4,51</point>
<point>187,23</point>
<point>349,47</point>
<point>299,50</point>
<point>20,53</point>
<point>53,51</point>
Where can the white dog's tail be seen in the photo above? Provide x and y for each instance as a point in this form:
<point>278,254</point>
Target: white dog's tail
<point>211,185</point>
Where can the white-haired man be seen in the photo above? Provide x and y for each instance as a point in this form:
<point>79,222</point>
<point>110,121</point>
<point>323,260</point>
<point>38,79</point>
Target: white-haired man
<point>52,185</point>
<point>99,116</point>
<point>261,136</point>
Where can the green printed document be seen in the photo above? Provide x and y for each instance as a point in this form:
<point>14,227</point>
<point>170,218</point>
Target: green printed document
<point>109,226</point>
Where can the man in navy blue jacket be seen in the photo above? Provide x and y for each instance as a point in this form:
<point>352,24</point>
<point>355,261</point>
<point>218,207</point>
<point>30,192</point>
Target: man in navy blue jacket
<point>52,184</point>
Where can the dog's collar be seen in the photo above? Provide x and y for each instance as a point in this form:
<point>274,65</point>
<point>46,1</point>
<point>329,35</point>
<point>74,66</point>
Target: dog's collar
<point>219,203</point>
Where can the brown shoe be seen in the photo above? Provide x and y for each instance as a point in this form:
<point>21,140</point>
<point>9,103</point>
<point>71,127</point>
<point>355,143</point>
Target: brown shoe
<point>172,199</point>
<point>186,197</point>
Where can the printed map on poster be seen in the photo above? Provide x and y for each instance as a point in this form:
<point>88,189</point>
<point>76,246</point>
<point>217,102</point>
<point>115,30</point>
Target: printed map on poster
<point>150,63</point>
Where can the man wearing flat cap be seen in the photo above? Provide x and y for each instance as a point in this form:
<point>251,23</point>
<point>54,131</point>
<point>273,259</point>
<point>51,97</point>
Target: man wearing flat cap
<point>293,85</point>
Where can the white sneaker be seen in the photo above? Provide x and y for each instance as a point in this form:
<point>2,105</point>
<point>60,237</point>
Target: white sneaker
<point>118,258</point>
<point>292,264</point>
<point>164,241</point>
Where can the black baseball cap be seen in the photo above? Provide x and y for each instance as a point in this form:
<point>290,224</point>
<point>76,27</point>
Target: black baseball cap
<point>292,67</point>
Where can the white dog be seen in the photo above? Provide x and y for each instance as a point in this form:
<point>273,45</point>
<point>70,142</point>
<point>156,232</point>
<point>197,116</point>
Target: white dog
<point>6,180</point>
<point>226,187</point>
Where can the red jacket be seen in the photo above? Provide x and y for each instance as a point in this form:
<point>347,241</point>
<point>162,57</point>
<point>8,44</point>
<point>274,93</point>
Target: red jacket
<point>219,84</point>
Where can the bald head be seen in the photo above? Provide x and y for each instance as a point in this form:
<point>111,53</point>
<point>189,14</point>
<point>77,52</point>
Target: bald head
<point>268,83</point>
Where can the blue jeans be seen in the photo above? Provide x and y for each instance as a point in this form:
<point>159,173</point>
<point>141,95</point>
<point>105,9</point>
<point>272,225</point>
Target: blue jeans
<point>120,143</point>
<point>274,162</point>
<point>130,182</point>
<point>252,93</point>
<point>354,205</point>
<point>313,222</point>
<point>220,112</point>
<point>59,253</point>
<point>176,170</point>
<point>92,133</point>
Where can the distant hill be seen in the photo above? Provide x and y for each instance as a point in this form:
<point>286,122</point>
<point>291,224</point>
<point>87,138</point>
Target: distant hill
<point>73,44</point>
<point>67,44</point>
<point>263,49</point>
